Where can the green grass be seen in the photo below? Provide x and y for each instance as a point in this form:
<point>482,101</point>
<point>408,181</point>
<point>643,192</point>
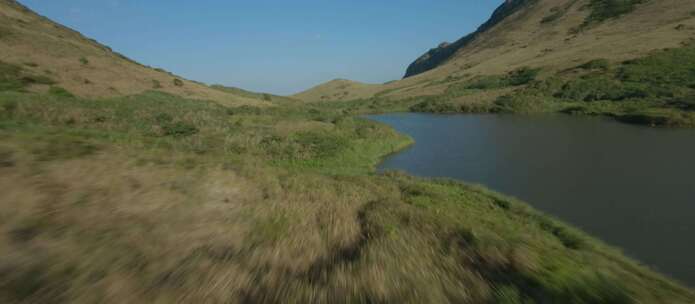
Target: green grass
<point>200,195</point>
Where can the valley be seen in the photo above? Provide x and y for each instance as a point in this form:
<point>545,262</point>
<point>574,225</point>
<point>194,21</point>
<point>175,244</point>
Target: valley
<point>124,183</point>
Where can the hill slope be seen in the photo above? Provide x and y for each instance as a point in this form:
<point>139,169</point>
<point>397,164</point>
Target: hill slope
<point>84,67</point>
<point>552,41</point>
<point>445,51</point>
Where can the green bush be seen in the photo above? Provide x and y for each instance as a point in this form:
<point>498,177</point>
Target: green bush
<point>672,67</point>
<point>602,10</point>
<point>84,61</point>
<point>554,15</point>
<point>37,79</point>
<point>517,77</point>
<point>522,76</point>
<point>179,129</point>
<point>434,106</point>
<point>63,147</point>
<point>487,83</point>
<point>10,77</point>
<point>596,64</point>
<point>244,110</point>
<point>6,157</point>
<point>178,82</point>
<point>320,144</point>
<point>59,91</point>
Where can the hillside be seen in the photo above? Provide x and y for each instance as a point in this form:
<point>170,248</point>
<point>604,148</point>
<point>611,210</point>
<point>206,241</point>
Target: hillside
<point>562,46</point>
<point>442,53</point>
<point>51,54</point>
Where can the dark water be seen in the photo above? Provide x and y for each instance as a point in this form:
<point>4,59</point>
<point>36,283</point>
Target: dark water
<point>632,186</point>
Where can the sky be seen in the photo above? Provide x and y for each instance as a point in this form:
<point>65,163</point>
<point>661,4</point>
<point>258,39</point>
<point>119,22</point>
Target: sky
<point>275,46</point>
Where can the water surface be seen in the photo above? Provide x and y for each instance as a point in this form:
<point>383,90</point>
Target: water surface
<point>632,186</point>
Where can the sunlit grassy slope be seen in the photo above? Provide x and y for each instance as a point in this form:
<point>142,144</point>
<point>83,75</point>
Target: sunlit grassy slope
<point>628,59</point>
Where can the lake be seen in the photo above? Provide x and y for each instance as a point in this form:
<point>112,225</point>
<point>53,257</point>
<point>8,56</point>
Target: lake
<point>632,186</point>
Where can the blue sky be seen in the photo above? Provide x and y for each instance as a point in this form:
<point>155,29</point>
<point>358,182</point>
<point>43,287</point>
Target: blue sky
<point>277,46</point>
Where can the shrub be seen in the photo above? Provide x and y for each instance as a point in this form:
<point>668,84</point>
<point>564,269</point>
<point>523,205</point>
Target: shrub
<point>61,147</point>
<point>487,83</point>
<point>602,10</point>
<point>37,79</point>
<point>434,106</point>
<point>84,61</point>
<point>596,64</point>
<point>10,77</point>
<point>320,144</point>
<point>557,14</point>
<point>248,110</point>
<point>156,84</point>
<point>668,67</point>
<point>517,77</point>
<point>522,76</point>
<point>508,295</point>
<point>163,118</point>
<point>178,82</point>
<point>59,91</point>
<point>6,157</point>
<point>602,87</point>
<point>179,129</point>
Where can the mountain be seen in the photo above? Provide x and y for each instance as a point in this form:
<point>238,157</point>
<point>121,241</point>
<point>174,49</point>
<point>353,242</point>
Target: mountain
<point>531,52</point>
<point>43,50</point>
<point>444,51</point>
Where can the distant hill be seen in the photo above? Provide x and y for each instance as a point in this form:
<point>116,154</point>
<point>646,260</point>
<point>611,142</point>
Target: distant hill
<point>254,95</point>
<point>338,89</point>
<point>548,37</point>
<point>55,55</point>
